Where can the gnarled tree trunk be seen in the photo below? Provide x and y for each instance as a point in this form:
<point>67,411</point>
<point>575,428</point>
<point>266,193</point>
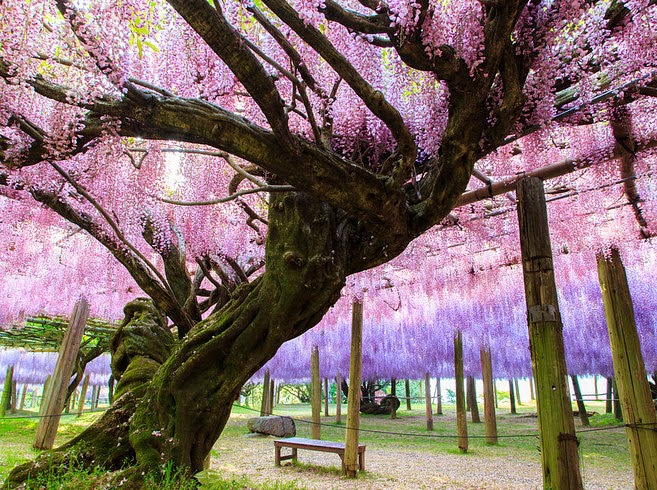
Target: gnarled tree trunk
<point>187,403</point>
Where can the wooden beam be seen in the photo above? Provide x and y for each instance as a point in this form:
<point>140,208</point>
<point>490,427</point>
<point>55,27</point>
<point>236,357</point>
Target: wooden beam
<point>461,420</point>
<point>265,394</point>
<point>338,398</point>
<point>353,399</point>
<point>83,395</point>
<point>489,396</point>
<point>629,369</point>
<point>5,402</point>
<point>54,397</point>
<point>316,394</point>
<point>427,401</point>
<point>559,456</point>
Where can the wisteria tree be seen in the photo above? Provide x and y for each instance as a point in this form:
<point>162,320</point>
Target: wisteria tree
<point>361,122</point>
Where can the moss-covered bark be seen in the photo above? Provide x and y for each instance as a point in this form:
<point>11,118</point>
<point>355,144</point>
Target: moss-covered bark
<point>190,399</point>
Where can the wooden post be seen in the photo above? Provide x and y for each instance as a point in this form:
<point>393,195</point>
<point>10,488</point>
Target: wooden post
<point>439,397</point>
<point>512,397</point>
<point>610,394</point>
<point>393,392</point>
<point>532,396</point>
<point>338,398</point>
<point>97,400</point>
<point>559,456</point>
<point>472,393</point>
<point>316,394</point>
<point>5,402</point>
<point>42,402</point>
<point>427,401</point>
<point>497,403</point>
<point>583,416</point>
<point>83,395</point>
<point>595,387</point>
<point>14,396</point>
<point>326,397</point>
<point>407,386</point>
<point>265,394</point>
<point>23,395</point>
<point>270,402</point>
<point>53,398</point>
<point>461,421</point>
<point>629,370</point>
<point>489,402</point>
<point>618,411</point>
<point>353,400</point>
<point>515,384</point>
<point>94,395</point>
<point>72,400</point>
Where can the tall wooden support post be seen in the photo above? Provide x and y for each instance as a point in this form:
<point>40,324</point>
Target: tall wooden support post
<point>532,396</point>
<point>581,408</point>
<point>5,403</point>
<point>439,397</point>
<point>14,395</point>
<point>393,392</point>
<point>472,395</point>
<point>23,396</point>
<point>512,397</point>
<point>497,403</point>
<point>316,394</point>
<point>461,421</point>
<point>83,395</point>
<point>595,387</point>
<point>326,397</point>
<point>517,387</point>
<point>610,394</point>
<point>270,403</point>
<point>407,386</point>
<point>353,399</point>
<point>629,370</point>
<point>52,402</point>
<point>489,396</point>
<point>265,394</point>
<point>44,391</point>
<point>555,414</point>
<point>427,401</point>
<point>338,398</point>
<point>94,396</point>
<point>618,411</point>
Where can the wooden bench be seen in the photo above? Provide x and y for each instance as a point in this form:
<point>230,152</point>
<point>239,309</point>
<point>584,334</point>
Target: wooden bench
<point>314,445</point>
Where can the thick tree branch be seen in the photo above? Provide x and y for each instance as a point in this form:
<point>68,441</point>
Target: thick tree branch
<point>133,264</point>
<point>365,24</point>
<point>229,45</point>
<point>174,258</point>
<point>154,116</point>
<point>373,99</point>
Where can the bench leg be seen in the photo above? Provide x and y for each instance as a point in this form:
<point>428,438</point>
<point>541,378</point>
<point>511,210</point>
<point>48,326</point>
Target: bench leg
<point>277,455</point>
<point>361,460</point>
<point>294,454</point>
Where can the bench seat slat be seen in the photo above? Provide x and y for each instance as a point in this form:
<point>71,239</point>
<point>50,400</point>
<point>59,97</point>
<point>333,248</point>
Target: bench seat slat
<point>314,445</point>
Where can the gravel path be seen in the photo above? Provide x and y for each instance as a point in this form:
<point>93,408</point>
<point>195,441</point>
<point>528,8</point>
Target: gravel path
<point>253,457</point>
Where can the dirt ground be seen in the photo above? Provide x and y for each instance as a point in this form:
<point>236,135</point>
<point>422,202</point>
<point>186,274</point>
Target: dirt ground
<point>253,456</point>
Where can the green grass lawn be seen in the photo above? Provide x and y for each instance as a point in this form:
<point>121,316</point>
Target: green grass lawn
<point>603,444</point>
